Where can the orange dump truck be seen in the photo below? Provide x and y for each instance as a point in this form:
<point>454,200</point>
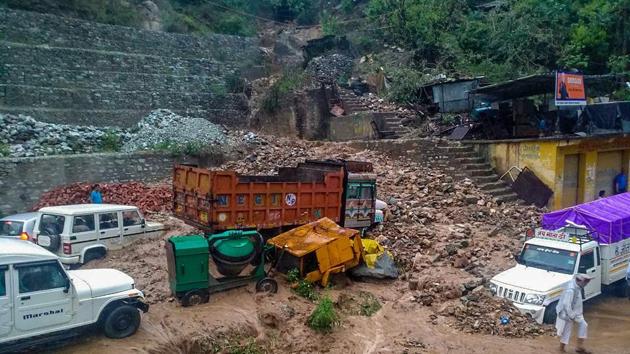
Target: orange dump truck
<point>343,191</point>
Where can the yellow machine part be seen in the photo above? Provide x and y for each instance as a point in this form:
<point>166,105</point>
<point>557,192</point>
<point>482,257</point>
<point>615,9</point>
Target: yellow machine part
<point>337,249</point>
<point>372,250</point>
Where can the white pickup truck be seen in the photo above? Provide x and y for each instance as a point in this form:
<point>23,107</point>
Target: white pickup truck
<point>550,259</point>
<point>40,301</point>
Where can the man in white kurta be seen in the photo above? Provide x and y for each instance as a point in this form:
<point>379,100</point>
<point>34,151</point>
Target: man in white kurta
<point>570,311</point>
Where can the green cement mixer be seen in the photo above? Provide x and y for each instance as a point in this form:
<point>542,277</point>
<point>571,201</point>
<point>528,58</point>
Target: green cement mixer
<point>200,265</point>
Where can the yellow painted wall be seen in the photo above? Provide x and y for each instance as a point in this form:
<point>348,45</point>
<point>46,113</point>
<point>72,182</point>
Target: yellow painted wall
<point>546,158</point>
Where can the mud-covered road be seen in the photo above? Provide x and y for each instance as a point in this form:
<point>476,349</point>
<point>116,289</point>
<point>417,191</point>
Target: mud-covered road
<point>397,327</point>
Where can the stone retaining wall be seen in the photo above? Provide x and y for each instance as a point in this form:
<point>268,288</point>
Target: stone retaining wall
<point>23,180</point>
<point>66,70</point>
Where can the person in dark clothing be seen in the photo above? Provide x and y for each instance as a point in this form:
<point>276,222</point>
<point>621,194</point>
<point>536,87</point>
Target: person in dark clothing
<point>621,182</point>
<point>602,194</point>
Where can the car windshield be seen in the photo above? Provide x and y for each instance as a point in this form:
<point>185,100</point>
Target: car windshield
<point>10,228</point>
<point>548,258</point>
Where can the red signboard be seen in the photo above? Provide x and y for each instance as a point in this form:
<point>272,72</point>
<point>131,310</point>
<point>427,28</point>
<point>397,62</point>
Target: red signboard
<point>570,89</point>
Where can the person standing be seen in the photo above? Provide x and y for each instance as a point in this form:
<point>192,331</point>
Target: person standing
<point>570,311</point>
<point>95,195</point>
<point>621,182</point>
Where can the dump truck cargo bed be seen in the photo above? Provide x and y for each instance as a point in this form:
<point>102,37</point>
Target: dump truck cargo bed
<point>224,200</point>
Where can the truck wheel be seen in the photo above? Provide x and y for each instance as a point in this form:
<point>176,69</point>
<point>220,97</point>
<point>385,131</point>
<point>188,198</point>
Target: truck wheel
<point>122,322</point>
<point>550,313</point>
<point>195,297</point>
<point>267,285</point>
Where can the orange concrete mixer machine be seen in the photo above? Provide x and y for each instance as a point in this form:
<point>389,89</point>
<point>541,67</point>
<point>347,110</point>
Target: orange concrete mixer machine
<point>215,201</point>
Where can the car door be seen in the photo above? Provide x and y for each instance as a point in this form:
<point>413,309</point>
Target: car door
<point>109,227</point>
<point>83,231</point>
<point>42,296</point>
<point>6,315</point>
<point>590,265</point>
<point>132,223</point>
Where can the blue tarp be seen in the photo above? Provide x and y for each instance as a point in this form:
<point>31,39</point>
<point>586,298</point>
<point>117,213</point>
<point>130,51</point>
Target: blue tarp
<point>608,219</point>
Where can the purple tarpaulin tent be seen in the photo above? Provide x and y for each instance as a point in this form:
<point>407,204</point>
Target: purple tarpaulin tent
<point>608,218</point>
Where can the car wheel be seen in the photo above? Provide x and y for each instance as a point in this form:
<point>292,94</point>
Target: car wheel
<point>267,285</point>
<point>122,322</point>
<point>94,254</point>
<point>194,298</point>
<point>550,313</point>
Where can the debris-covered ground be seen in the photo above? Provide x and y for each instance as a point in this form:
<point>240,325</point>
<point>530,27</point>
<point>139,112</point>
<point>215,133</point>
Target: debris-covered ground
<point>447,236</point>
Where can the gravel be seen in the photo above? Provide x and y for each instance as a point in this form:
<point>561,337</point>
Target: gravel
<point>23,136</point>
<point>164,129</point>
<point>329,69</point>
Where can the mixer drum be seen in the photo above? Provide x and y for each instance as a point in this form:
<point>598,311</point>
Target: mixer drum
<point>232,255</point>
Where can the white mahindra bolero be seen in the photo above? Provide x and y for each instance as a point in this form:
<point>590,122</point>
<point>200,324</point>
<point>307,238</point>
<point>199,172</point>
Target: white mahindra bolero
<point>40,301</point>
<point>83,232</point>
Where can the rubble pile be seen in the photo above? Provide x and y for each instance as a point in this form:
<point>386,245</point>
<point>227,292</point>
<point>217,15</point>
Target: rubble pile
<point>24,136</point>
<point>166,130</point>
<point>329,69</point>
<point>149,198</point>
<point>480,312</point>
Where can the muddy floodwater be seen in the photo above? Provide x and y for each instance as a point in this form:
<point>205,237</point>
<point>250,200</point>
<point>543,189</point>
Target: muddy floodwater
<point>608,318</point>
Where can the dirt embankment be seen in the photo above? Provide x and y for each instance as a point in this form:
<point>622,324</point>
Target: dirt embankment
<point>447,236</point>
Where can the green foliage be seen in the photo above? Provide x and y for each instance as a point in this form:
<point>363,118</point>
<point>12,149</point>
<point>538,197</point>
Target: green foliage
<point>234,83</point>
<point>330,25</point>
<point>293,276</point>
<point>306,290</point>
<point>518,38</point>
<point>4,150</point>
<point>324,317</point>
<point>190,148</point>
<point>115,12</point>
<point>347,6</point>
<point>369,305</point>
<point>290,80</point>
<point>405,84</point>
<point>111,141</point>
<point>218,90</point>
<point>250,347</point>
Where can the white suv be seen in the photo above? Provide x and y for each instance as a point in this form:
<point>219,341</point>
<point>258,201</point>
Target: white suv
<point>80,233</point>
<point>40,301</point>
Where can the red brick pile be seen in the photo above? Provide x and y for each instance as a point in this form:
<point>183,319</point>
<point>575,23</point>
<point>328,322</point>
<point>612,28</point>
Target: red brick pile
<point>150,198</point>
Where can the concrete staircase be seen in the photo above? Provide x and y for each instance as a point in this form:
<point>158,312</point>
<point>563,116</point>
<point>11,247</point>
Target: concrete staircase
<point>389,123</point>
<point>468,162</point>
